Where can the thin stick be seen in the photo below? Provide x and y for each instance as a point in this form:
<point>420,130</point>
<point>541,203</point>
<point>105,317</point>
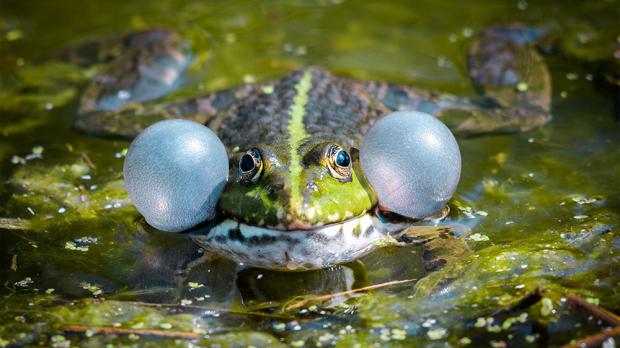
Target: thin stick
<point>14,224</point>
<point>522,304</point>
<point>227,311</point>
<point>595,340</point>
<point>110,330</point>
<point>321,298</point>
<point>601,313</point>
<point>87,160</point>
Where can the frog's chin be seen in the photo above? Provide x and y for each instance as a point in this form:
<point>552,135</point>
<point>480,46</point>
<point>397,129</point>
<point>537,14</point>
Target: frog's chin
<point>305,249</point>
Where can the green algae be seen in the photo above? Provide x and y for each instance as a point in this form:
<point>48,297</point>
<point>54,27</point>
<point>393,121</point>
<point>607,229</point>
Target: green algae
<point>47,315</point>
<point>66,193</point>
<point>542,208</point>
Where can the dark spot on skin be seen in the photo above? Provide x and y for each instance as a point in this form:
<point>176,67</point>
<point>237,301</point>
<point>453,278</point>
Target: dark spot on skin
<point>369,230</point>
<point>313,156</point>
<point>434,265</point>
<point>262,240</point>
<point>312,186</point>
<point>321,238</point>
<point>445,233</point>
<point>267,239</point>
<point>220,239</point>
<point>236,235</point>
<point>414,240</point>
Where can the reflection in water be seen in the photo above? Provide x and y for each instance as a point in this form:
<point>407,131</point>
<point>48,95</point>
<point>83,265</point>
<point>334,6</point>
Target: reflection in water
<point>167,263</point>
<point>259,285</point>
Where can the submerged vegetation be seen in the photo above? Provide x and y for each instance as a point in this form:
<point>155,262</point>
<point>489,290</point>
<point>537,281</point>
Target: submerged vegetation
<point>541,209</point>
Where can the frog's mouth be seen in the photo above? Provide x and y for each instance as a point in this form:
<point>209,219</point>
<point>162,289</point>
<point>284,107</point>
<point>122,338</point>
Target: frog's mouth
<point>304,249</point>
<point>320,247</point>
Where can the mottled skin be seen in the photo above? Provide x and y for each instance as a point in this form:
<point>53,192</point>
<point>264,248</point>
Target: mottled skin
<point>500,59</point>
<point>291,121</point>
<point>338,110</point>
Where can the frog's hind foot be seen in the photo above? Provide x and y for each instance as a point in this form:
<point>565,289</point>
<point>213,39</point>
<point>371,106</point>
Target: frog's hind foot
<point>512,78</point>
<point>504,65</point>
<point>131,70</point>
<point>150,65</point>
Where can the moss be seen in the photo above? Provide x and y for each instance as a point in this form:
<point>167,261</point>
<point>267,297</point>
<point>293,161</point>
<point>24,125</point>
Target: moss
<point>549,197</point>
<point>63,193</point>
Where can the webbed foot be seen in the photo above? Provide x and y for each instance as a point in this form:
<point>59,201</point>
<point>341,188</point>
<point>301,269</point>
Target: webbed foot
<point>508,72</point>
<point>136,68</point>
<point>149,65</point>
<point>513,79</point>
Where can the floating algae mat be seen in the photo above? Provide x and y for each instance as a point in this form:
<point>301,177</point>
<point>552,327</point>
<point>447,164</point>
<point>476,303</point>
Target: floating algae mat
<point>539,211</point>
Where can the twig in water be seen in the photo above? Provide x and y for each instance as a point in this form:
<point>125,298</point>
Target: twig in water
<point>321,298</point>
<point>596,339</point>
<point>524,303</point>
<point>87,160</point>
<point>110,330</point>
<point>601,313</point>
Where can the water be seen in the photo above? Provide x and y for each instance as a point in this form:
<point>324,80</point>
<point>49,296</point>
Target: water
<point>543,206</point>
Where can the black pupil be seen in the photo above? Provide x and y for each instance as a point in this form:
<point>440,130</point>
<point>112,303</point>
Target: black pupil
<point>246,163</point>
<point>343,159</point>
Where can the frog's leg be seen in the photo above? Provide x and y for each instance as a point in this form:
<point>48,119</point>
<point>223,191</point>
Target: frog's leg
<point>509,74</point>
<point>142,66</point>
<point>440,244</point>
<point>137,70</point>
<point>131,119</point>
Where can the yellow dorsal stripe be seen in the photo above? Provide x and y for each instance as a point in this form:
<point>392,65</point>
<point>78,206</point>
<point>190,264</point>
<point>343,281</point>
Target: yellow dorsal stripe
<point>296,134</point>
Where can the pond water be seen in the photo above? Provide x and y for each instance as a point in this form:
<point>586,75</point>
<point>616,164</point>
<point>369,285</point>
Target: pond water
<point>543,206</point>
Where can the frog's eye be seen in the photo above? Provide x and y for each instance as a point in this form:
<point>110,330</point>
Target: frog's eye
<point>339,163</point>
<point>250,166</point>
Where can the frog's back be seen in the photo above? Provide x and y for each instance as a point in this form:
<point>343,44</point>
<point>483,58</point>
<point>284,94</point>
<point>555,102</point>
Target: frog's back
<point>310,100</point>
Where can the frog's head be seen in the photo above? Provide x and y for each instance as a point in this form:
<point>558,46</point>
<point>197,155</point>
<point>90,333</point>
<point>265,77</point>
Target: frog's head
<point>319,183</point>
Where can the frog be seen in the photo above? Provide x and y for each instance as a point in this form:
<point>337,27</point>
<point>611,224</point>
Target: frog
<point>297,197</point>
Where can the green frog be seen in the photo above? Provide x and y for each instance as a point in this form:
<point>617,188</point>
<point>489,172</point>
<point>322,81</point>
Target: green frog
<point>297,197</point>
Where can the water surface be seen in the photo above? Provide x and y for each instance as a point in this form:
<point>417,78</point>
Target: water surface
<point>543,207</point>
